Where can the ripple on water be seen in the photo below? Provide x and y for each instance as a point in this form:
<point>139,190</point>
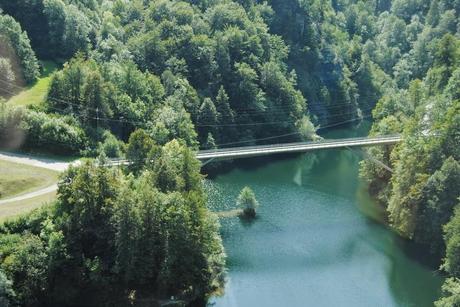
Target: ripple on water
<point>310,245</point>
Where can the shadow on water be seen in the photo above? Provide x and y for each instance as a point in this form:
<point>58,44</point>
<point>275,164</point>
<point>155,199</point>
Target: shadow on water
<point>217,168</point>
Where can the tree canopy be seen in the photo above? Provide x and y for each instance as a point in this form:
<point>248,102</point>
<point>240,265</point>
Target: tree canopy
<point>151,234</point>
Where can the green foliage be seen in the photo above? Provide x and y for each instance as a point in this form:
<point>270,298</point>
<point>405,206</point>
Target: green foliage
<point>451,294</point>
<point>56,28</point>
<point>12,34</point>
<point>171,121</point>
<point>140,145</point>
<point>198,49</point>
<point>110,234</point>
<point>221,48</point>
<point>24,260</point>
<point>208,74</point>
<point>115,96</point>
<point>438,203</point>
<point>247,201</point>
<point>22,128</point>
<point>7,294</point>
<point>452,239</point>
<point>8,76</point>
<point>176,169</point>
<point>111,146</point>
<point>421,193</point>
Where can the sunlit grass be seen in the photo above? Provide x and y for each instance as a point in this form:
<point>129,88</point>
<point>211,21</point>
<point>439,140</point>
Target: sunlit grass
<point>16,179</point>
<point>13,209</point>
<point>36,93</point>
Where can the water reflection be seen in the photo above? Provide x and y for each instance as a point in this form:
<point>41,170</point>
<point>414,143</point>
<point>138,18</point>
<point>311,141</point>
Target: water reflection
<point>315,241</point>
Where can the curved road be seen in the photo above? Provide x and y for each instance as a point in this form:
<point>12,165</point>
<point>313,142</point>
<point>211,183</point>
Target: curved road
<point>29,195</point>
<point>55,165</point>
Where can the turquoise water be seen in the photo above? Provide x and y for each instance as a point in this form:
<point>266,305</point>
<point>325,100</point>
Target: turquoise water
<point>314,242</point>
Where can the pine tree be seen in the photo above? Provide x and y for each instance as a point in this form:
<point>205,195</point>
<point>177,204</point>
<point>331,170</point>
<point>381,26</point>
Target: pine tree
<point>225,113</point>
<point>225,116</point>
<point>210,142</point>
<point>207,119</point>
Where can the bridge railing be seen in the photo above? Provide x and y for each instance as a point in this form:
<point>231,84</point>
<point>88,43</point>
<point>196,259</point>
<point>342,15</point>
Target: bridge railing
<point>295,144</point>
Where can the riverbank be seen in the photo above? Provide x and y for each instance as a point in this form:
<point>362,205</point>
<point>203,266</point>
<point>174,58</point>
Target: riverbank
<point>318,239</point>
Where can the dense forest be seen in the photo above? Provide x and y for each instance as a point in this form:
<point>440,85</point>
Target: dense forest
<point>153,81</point>
<point>422,192</point>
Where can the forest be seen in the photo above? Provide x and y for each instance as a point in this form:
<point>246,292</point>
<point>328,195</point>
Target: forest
<point>154,81</point>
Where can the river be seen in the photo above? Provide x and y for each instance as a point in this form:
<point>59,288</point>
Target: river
<point>316,240</point>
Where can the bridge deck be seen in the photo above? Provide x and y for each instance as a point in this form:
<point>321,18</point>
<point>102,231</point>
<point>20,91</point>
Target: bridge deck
<point>249,151</point>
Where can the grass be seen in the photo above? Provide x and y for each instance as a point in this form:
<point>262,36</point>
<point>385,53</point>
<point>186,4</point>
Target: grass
<point>35,94</point>
<point>17,208</point>
<point>16,179</point>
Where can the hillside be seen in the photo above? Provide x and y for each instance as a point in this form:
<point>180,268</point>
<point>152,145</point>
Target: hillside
<point>154,81</point>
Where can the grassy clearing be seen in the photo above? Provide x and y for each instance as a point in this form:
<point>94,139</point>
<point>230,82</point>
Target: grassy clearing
<point>17,208</point>
<point>16,179</point>
<point>36,93</point>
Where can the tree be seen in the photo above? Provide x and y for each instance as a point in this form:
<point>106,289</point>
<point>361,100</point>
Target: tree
<point>447,53</point>
<point>7,294</point>
<point>433,15</point>
<point>139,146</point>
<point>247,201</point>
<point>26,267</point>
<point>94,102</point>
<point>210,142</point>
<point>207,120</point>
<point>84,213</point>
<point>56,16</point>
<point>306,128</point>
<point>225,113</point>
<point>176,169</point>
<point>11,34</point>
<point>8,77</point>
<point>150,247</point>
<point>246,87</point>
<point>127,233</point>
<point>439,198</point>
<point>225,116</point>
<point>451,293</point>
<point>172,121</point>
<point>452,240</point>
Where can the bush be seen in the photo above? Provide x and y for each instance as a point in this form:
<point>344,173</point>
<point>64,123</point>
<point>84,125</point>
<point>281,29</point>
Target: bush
<point>22,128</point>
<point>247,200</point>
<point>53,133</point>
<point>6,290</point>
<point>111,146</point>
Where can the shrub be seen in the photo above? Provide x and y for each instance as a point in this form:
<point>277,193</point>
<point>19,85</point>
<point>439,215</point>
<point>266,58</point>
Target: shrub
<point>22,128</point>
<point>111,146</point>
<point>247,200</point>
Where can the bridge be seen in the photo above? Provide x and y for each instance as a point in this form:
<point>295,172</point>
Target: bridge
<point>260,150</point>
<point>207,156</point>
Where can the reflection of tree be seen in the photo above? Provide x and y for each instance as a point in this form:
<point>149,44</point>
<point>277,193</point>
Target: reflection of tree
<point>411,280</point>
<point>304,165</point>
